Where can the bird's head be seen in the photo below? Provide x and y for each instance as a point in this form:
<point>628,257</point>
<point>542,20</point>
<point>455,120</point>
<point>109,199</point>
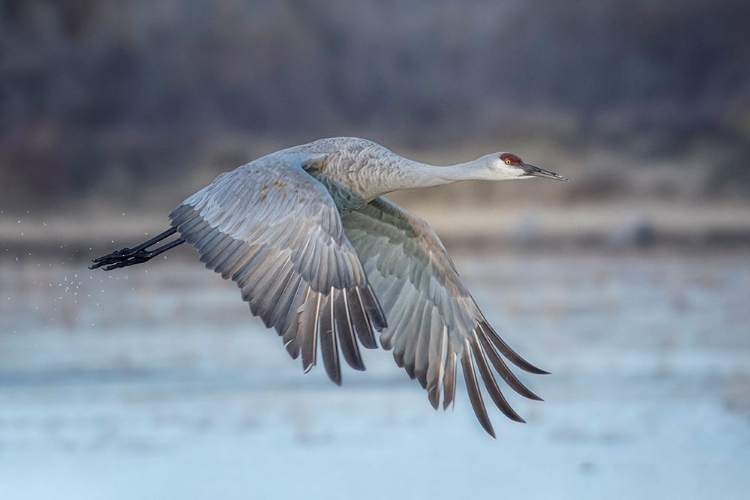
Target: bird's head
<point>510,166</point>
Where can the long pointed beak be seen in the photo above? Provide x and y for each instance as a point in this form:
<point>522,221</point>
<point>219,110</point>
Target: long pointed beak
<point>540,172</point>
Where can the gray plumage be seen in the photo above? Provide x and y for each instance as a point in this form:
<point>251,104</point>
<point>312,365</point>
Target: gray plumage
<point>326,261</point>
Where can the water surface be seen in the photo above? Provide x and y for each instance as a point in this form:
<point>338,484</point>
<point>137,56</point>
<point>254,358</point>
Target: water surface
<point>155,382</point>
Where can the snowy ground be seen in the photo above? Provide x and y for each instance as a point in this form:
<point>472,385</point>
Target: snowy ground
<point>156,383</point>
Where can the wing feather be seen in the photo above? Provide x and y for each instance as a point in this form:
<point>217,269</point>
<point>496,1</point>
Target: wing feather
<point>309,327</point>
<point>449,380</point>
<point>475,395</point>
<point>345,332</point>
<point>328,348</point>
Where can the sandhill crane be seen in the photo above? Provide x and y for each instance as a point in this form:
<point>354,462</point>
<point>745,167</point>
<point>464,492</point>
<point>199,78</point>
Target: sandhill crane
<point>323,258</point>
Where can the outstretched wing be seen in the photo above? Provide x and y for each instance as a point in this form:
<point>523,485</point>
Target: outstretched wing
<point>275,231</point>
<point>433,322</point>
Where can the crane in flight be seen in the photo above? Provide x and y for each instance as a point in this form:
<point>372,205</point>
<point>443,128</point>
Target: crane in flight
<point>323,258</point>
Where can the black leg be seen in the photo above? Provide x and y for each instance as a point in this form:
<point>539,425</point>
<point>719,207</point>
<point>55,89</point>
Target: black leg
<point>136,255</point>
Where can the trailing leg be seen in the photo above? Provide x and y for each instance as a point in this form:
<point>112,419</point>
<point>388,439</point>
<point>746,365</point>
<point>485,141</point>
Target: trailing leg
<point>136,255</point>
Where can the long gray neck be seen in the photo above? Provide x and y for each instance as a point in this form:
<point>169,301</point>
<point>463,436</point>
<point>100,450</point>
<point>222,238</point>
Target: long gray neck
<point>401,173</point>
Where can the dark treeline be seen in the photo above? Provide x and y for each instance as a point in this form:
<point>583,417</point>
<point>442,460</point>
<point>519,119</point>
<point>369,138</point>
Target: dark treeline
<point>142,89</point>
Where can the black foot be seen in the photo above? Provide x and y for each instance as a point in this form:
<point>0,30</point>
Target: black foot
<point>137,255</point>
<point>122,258</point>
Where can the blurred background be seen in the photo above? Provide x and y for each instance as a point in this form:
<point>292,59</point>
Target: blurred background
<point>629,283</point>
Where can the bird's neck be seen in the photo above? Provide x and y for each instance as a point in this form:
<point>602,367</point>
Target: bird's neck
<point>407,174</point>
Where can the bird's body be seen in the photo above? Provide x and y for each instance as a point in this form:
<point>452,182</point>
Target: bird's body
<point>326,261</point>
<point>356,171</point>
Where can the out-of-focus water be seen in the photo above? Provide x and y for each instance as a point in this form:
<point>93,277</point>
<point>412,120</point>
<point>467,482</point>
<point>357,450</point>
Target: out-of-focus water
<point>155,382</point>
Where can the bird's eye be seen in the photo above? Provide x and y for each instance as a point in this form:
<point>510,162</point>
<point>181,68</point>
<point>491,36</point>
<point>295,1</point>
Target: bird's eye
<point>510,159</point>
